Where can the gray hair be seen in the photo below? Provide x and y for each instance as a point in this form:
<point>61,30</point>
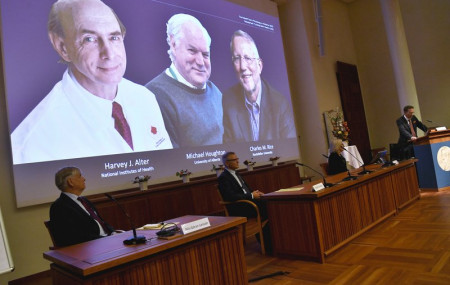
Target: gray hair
<point>63,174</point>
<point>242,34</point>
<point>175,29</point>
<point>226,155</point>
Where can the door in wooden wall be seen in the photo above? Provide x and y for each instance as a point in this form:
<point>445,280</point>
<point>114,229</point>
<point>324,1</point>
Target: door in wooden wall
<point>353,108</point>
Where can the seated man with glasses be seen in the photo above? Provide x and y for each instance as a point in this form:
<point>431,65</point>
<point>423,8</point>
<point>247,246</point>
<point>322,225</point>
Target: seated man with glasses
<point>233,188</point>
<point>252,109</point>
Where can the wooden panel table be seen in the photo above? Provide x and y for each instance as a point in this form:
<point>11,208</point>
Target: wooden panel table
<point>175,199</point>
<point>310,225</point>
<point>214,255</point>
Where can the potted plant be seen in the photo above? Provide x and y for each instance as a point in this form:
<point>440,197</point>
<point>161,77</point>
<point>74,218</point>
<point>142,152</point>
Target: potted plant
<point>274,160</point>
<point>249,164</point>
<point>143,181</point>
<point>184,174</point>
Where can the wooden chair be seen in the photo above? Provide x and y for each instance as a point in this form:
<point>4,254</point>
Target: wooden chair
<point>253,225</point>
<point>49,228</point>
<point>324,167</point>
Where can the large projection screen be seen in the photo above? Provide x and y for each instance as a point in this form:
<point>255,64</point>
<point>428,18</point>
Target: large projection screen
<point>32,69</point>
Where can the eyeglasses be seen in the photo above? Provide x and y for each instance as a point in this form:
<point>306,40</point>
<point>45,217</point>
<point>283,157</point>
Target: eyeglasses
<point>249,60</point>
<point>233,159</point>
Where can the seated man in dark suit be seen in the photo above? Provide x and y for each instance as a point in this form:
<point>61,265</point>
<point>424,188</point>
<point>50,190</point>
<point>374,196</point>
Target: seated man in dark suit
<point>73,219</point>
<point>233,188</point>
<point>407,128</point>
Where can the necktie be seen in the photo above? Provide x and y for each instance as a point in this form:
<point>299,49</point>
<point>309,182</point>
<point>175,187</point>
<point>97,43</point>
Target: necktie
<point>413,133</point>
<point>244,186</point>
<point>120,123</point>
<point>93,214</point>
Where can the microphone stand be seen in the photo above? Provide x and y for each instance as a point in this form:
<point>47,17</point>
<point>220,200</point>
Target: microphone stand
<point>363,165</point>
<point>323,177</point>
<point>433,122</point>
<point>349,177</point>
<point>132,240</point>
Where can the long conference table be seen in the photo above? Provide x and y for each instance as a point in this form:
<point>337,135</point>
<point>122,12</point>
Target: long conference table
<point>311,225</point>
<point>214,255</point>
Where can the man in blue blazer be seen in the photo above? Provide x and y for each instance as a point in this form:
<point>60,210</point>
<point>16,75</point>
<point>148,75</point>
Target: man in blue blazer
<point>73,219</point>
<point>407,128</point>
<point>252,109</point>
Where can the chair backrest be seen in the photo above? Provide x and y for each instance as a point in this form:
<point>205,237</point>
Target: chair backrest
<point>48,225</point>
<point>374,151</point>
<point>324,167</point>
<point>253,225</point>
<point>222,202</point>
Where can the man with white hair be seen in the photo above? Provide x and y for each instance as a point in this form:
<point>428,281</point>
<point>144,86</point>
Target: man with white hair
<point>191,105</point>
<point>253,110</point>
<point>93,110</point>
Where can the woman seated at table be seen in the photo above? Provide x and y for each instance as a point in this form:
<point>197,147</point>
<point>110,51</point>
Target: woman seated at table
<point>336,162</point>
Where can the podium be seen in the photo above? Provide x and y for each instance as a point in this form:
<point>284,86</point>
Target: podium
<point>433,167</point>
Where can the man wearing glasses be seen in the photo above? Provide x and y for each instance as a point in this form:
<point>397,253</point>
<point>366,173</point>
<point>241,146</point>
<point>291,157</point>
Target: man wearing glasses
<point>252,109</point>
<point>232,187</point>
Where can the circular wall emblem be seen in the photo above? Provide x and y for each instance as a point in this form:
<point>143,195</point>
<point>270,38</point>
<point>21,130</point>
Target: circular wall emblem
<point>443,158</point>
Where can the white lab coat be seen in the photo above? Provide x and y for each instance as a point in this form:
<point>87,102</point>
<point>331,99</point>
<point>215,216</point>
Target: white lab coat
<point>70,122</point>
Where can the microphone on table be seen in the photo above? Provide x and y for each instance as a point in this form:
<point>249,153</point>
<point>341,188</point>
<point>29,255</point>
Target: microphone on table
<point>132,240</point>
<point>363,165</point>
<point>349,177</point>
<point>323,177</point>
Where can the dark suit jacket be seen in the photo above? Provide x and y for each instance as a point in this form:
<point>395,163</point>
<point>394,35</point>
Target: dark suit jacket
<point>336,163</point>
<point>230,188</point>
<point>232,191</point>
<point>405,131</point>
<point>276,120</point>
<point>70,224</point>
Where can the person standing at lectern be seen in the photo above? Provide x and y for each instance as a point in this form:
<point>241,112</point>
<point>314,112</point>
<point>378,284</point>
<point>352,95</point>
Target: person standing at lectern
<point>107,113</point>
<point>407,128</point>
<point>73,218</point>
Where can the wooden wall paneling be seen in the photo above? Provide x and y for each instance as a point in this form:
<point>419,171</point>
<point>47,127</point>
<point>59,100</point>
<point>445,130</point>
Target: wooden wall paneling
<point>383,202</point>
<point>340,218</point>
<point>171,203</point>
<point>298,219</point>
<point>136,206</point>
<point>212,259</point>
<point>175,199</point>
<point>206,199</point>
<point>405,185</point>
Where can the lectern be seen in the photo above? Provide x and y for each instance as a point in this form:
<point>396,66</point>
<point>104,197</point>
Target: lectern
<point>433,167</point>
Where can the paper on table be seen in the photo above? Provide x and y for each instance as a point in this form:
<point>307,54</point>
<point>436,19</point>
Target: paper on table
<point>290,189</point>
<point>157,226</point>
<point>151,226</point>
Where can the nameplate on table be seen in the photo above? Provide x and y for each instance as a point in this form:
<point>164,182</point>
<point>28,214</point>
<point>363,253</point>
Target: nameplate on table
<point>318,187</point>
<point>195,226</point>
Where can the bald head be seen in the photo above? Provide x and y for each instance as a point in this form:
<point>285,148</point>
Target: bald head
<point>88,36</point>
